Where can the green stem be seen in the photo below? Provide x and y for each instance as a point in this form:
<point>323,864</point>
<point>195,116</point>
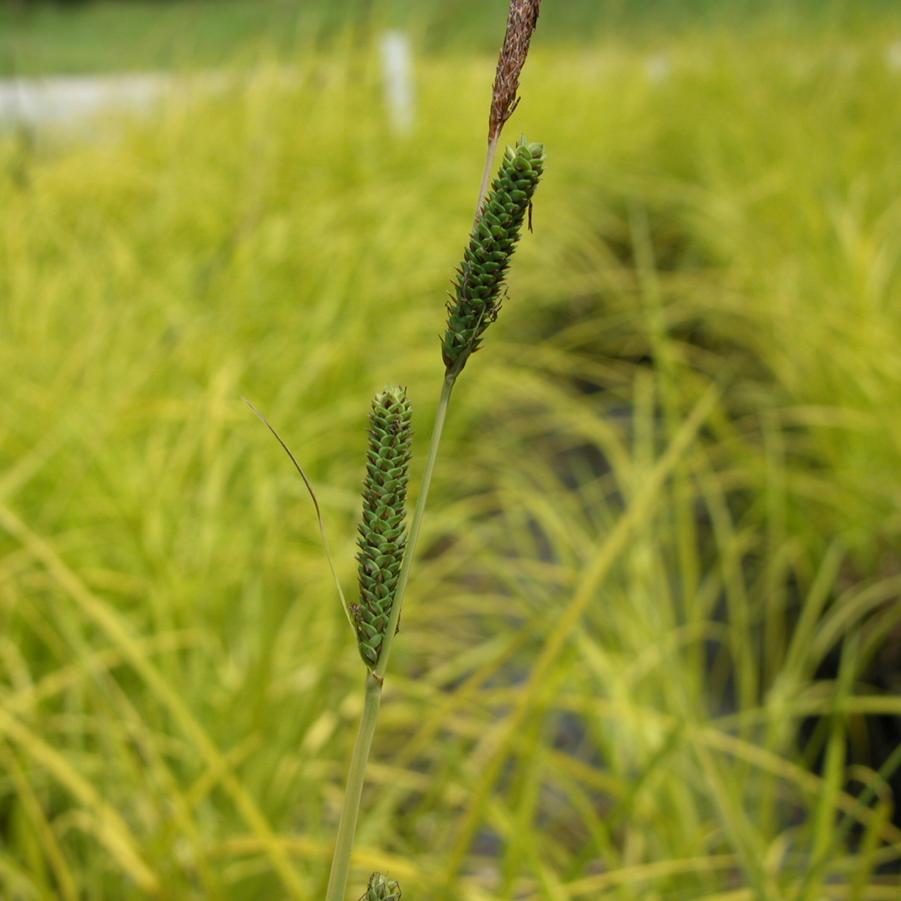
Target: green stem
<point>486,176</point>
<point>337,881</point>
<point>340,872</point>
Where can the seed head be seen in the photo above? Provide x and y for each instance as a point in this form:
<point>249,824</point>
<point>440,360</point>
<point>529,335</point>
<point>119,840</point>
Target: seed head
<point>476,299</point>
<point>381,889</point>
<point>382,532</point>
<point>521,21</point>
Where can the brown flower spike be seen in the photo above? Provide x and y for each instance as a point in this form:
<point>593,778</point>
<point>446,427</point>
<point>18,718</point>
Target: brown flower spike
<point>521,22</point>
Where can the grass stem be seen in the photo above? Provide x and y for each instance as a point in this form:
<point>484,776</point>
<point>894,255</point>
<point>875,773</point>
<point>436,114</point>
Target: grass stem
<point>486,176</point>
<point>347,827</point>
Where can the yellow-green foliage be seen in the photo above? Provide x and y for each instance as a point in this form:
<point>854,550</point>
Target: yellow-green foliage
<point>669,490</point>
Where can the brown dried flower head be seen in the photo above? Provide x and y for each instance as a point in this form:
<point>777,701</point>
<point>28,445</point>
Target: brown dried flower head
<point>521,22</point>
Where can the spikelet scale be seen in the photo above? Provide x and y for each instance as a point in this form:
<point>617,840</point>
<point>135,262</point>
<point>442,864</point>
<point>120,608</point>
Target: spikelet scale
<point>476,299</point>
<point>382,534</point>
<point>381,889</point>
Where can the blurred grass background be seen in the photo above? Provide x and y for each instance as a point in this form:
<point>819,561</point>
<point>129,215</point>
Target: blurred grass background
<point>42,36</point>
<point>651,647</point>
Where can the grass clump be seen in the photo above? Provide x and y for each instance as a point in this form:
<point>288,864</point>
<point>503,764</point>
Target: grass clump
<point>708,614</point>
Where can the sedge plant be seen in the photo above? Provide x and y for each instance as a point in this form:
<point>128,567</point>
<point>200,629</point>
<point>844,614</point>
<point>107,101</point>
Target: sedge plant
<point>385,546</point>
<point>150,634</point>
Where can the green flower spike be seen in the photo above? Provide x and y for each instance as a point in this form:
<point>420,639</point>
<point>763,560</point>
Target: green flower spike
<point>382,532</point>
<point>381,889</point>
<point>476,299</point>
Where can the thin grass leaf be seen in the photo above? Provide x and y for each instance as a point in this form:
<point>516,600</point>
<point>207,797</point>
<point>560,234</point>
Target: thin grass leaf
<point>319,520</point>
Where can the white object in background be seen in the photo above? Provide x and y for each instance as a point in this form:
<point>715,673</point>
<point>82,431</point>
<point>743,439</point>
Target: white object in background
<point>893,56</point>
<point>658,68</point>
<point>67,98</point>
<point>397,70</point>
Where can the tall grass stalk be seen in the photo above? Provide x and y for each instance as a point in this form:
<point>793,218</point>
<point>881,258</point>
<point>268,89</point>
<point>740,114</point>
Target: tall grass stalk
<point>495,231</point>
